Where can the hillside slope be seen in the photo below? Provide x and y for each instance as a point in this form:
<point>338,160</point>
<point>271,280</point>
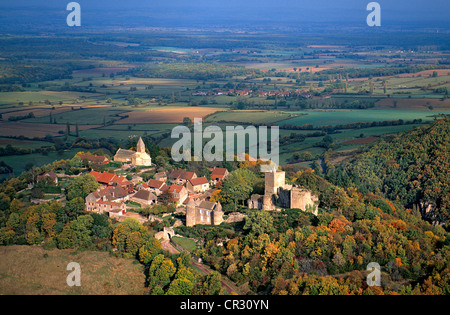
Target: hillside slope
<point>412,167</point>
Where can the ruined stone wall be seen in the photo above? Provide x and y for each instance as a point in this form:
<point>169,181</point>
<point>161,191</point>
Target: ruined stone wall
<point>304,199</point>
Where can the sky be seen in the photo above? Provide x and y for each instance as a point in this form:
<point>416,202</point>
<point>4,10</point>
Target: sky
<point>186,13</point>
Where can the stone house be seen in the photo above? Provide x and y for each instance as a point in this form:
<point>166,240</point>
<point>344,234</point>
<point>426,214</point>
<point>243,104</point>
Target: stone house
<point>179,193</point>
<point>144,197</point>
<point>94,159</point>
<point>112,194</point>
<point>218,174</point>
<point>161,176</point>
<point>155,186</point>
<point>199,184</point>
<point>180,177</point>
<point>206,212</point>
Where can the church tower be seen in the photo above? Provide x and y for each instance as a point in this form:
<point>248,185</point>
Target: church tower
<point>141,158</point>
<point>140,148</point>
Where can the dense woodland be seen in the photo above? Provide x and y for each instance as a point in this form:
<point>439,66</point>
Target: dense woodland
<point>412,168</point>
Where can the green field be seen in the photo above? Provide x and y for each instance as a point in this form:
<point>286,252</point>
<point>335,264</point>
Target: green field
<point>342,117</point>
<point>89,116</point>
<point>17,162</point>
<point>250,117</point>
<point>186,243</point>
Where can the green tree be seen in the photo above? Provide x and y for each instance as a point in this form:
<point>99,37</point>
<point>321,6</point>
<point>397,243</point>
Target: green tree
<point>81,228</point>
<point>212,284</point>
<point>259,222</point>
<point>238,186</point>
<point>149,250</point>
<point>81,186</point>
<point>72,209</point>
<point>160,272</point>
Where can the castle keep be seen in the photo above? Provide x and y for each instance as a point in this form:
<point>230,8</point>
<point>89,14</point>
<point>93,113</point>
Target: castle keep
<point>279,194</point>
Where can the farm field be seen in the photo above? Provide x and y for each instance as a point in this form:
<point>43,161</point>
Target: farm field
<point>35,130</point>
<point>249,116</point>
<point>88,116</point>
<point>18,162</point>
<point>413,104</point>
<point>166,115</point>
<point>40,96</point>
<point>338,117</point>
<point>23,143</point>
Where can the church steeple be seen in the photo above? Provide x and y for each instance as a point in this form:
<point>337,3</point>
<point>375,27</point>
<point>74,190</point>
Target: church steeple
<point>140,146</point>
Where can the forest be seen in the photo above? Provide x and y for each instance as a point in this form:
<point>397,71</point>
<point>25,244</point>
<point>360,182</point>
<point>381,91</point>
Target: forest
<point>411,168</point>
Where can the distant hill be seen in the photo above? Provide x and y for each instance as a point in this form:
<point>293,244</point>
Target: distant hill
<point>412,167</point>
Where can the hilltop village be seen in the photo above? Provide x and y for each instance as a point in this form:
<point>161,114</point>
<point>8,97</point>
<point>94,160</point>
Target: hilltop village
<point>121,193</point>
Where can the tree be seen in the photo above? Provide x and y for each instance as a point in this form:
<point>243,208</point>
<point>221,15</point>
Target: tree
<point>238,186</point>
<point>160,272</point>
<point>130,236</point>
<point>187,121</point>
<point>81,228</point>
<point>72,210</point>
<point>183,283</point>
<point>149,250</point>
<point>212,284</point>
<point>259,222</point>
<point>81,186</point>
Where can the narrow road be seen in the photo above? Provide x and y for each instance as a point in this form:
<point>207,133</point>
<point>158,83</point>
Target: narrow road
<point>231,289</point>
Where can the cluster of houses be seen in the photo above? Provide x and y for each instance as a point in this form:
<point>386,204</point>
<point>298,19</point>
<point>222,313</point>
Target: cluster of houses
<point>181,186</point>
<point>184,188</point>
<point>220,91</point>
<point>281,93</point>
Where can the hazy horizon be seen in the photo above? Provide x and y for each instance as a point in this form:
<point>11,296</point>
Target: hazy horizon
<point>178,13</point>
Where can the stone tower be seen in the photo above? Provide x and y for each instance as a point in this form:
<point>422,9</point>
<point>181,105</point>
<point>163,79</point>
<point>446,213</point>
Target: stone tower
<point>217,214</point>
<point>190,213</point>
<point>273,181</point>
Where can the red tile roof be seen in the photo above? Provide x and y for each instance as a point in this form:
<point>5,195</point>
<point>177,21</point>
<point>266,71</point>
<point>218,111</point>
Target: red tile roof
<point>153,183</point>
<point>218,173</point>
<point>104,178</point>
<point>181,174</point>
<point>175,188</point>
<point>122,181</point>
<point>94,158</point>
<point>198,181</point>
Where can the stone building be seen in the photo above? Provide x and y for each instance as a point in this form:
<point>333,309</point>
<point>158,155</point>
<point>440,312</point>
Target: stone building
<point>218,174</point>
<point>199,184</point>
<point>180,177</point>
<point>144,197</point>
<point>138,157</point>
<point>205,212</point>
<point>50,177</point>
<point>279,194</point>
